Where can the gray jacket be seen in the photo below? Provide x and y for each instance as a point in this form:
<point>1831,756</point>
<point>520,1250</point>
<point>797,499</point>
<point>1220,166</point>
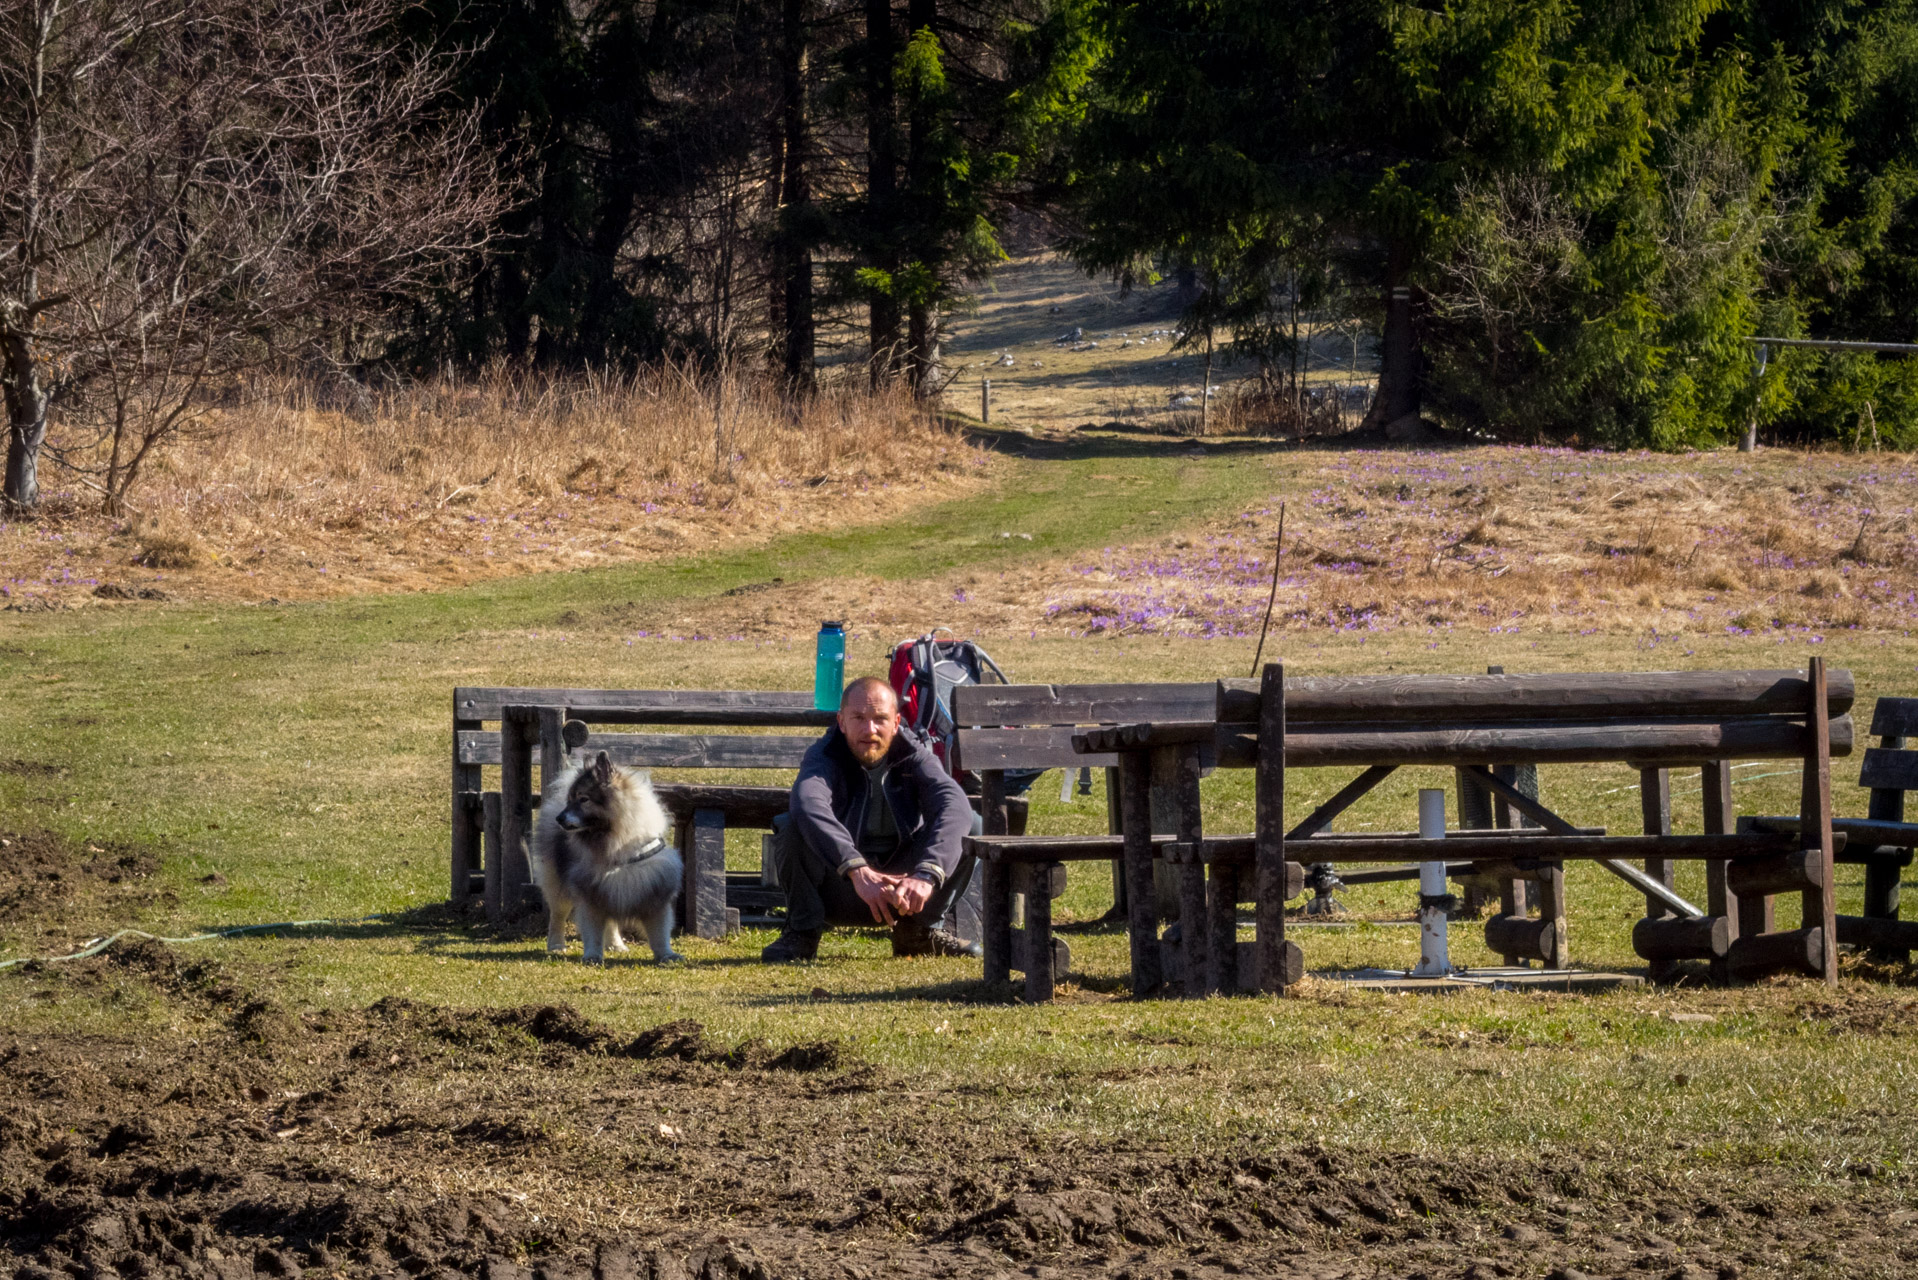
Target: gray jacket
<point>929,809</point>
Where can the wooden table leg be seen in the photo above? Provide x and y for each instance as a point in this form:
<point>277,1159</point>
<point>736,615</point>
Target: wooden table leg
<point>1655,813</point>
<point>1278,962</point>
<point>1040,977</point>
<point>1814,812</point>
<point>516,730</point>
<point>1135,797</point>
<point>1178,769</point>
<point>995,882</point>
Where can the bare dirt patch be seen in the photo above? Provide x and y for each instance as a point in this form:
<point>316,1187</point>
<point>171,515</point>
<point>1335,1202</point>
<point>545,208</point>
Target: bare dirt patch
<point>53,886</point>
<point>516,1143</point>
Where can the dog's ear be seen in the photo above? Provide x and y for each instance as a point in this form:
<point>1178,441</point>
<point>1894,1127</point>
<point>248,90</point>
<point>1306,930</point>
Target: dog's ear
<point>603,768</point>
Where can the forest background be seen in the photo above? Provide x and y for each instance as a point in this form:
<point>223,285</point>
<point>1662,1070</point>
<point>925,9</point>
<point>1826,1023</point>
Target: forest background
<point>1557,221</point>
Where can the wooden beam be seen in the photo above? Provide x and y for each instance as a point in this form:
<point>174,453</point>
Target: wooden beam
<point>1534,847</point>
<point>995,882</point>
<point>665,750</point>
<point>1075,704</point>
<point>1578,696</point>
<point>768,708</point>
<point>1321,817</point>
<point>1721,818</point>
<point>1649,742</point>
<point>1894,718</point>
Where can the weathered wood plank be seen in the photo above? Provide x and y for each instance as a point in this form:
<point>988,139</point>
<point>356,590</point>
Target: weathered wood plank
<point>485,702</point>
<point>705,876</point>
<point>1539,846</point>
<point>749,808</point>
<point>1889,770</point>
<point>1070,704</point>
<point>981,749</point>
<point>1663,742</point>
<point>516,817</point>
<point>995,883</point>
<point>1884,877</point>
<point>1140,736</point>
<point>666,750</point>
<point>490,835</point>
<point>1018,849</point>
<point>1894,717</point>
<point>1576,696</point>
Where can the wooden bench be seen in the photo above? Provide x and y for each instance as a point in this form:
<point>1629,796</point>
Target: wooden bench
<point>1032,727</point>
<point>491,828</point>
<point>1381,723</point>
<point>1882,841</point>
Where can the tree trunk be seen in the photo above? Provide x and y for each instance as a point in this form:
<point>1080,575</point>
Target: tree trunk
<point>1395,408</point>
<point>26,401</point>
<point>922,322</point>
<point>792,253</point>
<point>882,187</point>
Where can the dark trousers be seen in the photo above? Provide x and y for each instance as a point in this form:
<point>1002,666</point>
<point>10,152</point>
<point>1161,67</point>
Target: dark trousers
<point>818,896</point>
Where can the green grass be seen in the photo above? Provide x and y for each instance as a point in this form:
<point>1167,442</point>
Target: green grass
<point>300,752</point>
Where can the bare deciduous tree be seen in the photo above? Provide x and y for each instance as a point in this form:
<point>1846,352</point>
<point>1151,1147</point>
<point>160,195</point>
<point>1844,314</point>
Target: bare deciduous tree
<point>190,188</point>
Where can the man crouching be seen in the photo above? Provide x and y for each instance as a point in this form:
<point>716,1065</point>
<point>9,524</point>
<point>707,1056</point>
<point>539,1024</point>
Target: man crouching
<point>874,833</point>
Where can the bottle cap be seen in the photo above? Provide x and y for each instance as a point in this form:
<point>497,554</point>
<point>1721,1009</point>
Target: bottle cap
<point>832,626</point>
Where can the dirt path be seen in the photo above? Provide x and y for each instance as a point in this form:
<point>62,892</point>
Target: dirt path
<point>413,1139</point>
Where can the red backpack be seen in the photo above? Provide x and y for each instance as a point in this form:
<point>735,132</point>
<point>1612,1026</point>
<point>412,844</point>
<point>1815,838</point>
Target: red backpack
<point>925,672</point>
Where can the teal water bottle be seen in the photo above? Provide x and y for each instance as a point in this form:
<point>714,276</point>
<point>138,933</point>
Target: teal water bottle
<point>829,666</point>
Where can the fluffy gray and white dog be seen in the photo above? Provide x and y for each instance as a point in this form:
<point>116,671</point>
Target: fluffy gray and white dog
<point>601,855</point>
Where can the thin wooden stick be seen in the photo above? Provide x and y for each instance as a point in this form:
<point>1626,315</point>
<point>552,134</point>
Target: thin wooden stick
<point>1277,547</point>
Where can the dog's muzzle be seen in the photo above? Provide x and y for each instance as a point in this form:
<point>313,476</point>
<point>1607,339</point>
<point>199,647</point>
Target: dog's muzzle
<point>569,820</point>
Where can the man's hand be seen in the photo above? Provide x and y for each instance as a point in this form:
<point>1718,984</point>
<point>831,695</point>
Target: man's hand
<point>910,895</point>
<point>876,891</point>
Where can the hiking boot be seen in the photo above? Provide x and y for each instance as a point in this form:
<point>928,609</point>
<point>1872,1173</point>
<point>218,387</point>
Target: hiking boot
<point>794,946</point>
<point>917,940</point>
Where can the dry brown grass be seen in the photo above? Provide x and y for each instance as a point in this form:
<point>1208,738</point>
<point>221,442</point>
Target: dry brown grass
<point>444,483</point>
<point>1500,541</point>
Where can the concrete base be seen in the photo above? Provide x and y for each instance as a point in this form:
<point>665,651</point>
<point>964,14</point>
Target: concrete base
<point>1401,981</point>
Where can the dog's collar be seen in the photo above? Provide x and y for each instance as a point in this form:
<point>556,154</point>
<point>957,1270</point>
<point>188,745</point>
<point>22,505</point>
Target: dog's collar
<point>644,852</point>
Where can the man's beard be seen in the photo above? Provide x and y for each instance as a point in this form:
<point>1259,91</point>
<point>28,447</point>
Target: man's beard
<point>869,755</point>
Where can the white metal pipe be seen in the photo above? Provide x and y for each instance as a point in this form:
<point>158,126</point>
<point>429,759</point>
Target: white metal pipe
<point>1432,941</point>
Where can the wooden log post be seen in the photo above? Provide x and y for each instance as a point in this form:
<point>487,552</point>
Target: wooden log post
<point>1814,811</point>
<point>1521,937</point>
<point>1115,825</point>
<point>1669,939</point>
<point>1269,832</point>
<point>995,882</point>
<point>518,725</point>
<point>1795,950</point>
<point>705,876</point>
<point>1655,812</point>
<point>1135,790</point>
<point>1181,765</point>
<point>490,829</point>
<point>1721,818</point>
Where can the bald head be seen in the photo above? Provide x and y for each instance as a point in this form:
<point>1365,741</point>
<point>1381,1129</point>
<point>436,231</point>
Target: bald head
<point>868,687</point>
<point>869,717</point>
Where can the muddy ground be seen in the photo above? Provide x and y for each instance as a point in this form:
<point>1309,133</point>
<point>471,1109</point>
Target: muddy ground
<point>519,1144</point>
